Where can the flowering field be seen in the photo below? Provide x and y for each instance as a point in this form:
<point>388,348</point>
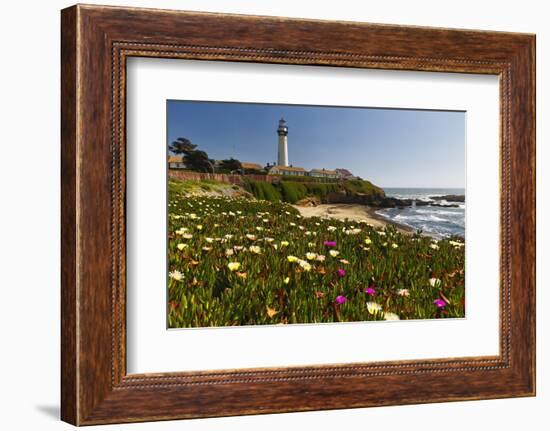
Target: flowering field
<point>237,261</point>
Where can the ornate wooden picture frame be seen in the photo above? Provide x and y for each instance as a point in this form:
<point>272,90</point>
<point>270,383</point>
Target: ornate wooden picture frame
<point>96,41</point>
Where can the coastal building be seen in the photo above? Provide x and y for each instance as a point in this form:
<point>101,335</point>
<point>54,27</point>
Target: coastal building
<point>176,162</point>
<point>345,174</point>
<point>251,166</point>
<point>282,151</point>
<point>287,170</point>
<point>323,173</point>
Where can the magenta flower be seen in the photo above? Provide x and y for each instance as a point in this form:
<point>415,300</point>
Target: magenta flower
<point>330,243</point>
<point>340,299</point>
<point>341,272</point>
<point>439,303</point>
<point>370,291</point>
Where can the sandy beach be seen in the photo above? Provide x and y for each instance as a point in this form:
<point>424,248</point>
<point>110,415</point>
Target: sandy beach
<point>354,212</point>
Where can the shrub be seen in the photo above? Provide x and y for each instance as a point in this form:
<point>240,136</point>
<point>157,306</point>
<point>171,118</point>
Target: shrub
<point>292,191</point>
<point>263,190</point>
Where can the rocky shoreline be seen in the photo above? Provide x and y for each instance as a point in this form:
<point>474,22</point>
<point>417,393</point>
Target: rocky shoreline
<point>382,201</point>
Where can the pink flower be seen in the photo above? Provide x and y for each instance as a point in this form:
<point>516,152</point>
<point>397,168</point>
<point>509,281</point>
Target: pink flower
<point>439,303</point>
<point>370,291</point>
<point>330,243</point>
<point>340,299</point>
<point>341,272</point>
<point>319,295</point>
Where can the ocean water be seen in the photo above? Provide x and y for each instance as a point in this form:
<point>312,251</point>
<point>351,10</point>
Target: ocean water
<point>439,222</point>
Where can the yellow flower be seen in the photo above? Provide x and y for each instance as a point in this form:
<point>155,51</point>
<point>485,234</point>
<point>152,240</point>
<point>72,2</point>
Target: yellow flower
<point>286,280</point>
<point>368,241</point>
<point>390,316</point>
<point>181,246</point>
<point>334,253</point>
<point>292,258</point>
<point>251,237</point>
<point>199,227</point>
<point>284,243</point>
<point>394,245</point>
<point>255,249</point>
<point>233,266</point>
<point>311,256</point>
<point>187,236</point>
<point>271,311</point>
<point>373,307</point>
<point>209,240</point>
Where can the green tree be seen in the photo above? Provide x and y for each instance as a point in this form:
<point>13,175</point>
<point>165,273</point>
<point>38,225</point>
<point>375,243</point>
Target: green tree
<point>181,146</point>
<point>197,160</point>
<point>230,165</point>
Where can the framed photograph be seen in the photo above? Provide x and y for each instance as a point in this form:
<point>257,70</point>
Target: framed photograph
<point>322,214</point>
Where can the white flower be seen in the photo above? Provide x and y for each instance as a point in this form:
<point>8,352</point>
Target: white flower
<point>403,292</point>
<point>311,256</point>
<point>331,228</point>
<point>434,282</point>
<point>390,316</point>
<point>209,240</point>
<point>181,246</point>
<point>187,236</point>
<point>334,253</point>
<point>305,265</point>
<point>229,252</point>
<point>176,275</point>
<point>434,246</point>
<point>251,237</point>
<point>320,258</point>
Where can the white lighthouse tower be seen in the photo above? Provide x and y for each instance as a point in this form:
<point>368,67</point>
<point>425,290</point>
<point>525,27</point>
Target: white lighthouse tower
<point>282,153</point>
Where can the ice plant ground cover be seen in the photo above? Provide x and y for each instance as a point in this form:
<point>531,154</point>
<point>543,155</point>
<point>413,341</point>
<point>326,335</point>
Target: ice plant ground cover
<point>241,261</point>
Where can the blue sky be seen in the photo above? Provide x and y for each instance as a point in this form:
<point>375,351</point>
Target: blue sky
<point>390,147</point>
